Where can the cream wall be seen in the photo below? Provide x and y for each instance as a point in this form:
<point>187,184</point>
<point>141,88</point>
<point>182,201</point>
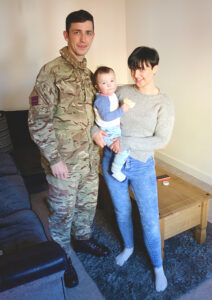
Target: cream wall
<point>181,32</point>
<point>31,35</point>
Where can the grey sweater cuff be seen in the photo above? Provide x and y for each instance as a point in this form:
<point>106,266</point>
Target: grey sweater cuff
<point>94,129</point>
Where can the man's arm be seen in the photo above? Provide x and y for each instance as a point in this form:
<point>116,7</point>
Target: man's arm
<point>43,101</point>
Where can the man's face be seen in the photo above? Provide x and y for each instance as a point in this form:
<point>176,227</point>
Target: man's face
<point>79,39</point>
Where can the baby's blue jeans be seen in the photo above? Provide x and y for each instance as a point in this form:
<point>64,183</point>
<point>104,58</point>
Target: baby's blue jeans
<point>142,179</point>
<point>114,132</point>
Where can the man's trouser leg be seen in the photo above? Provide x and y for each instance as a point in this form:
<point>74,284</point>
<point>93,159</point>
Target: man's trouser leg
<point>61,199</point>
<point>85,207</point>
<point>72,201</point>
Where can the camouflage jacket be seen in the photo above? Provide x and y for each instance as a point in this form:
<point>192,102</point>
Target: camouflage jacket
<point>61,113</point>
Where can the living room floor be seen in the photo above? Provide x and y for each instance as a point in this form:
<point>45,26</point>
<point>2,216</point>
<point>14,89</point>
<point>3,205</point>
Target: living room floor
<point>87,289</point>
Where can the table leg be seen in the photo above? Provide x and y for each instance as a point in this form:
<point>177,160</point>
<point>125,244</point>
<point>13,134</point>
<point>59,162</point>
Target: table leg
<point>162,236</point>
<point>200,234</point>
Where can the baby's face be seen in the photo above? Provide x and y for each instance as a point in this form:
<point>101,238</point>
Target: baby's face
<point>106,83</point>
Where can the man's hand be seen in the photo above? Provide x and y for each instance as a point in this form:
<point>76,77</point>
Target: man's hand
<point>115,147</point>
<point>60,170</point>
<point>98,138</point>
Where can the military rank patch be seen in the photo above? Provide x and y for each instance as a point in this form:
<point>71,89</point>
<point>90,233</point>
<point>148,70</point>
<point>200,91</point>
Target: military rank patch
<point>34,100</point>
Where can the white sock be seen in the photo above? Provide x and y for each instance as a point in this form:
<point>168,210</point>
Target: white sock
<point>160,279</point>
<point>119,176</point>
<point>123,256</point>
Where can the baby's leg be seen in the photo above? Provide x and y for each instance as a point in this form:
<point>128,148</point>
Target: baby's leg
<point>119,161</point>
<point>118,175</point>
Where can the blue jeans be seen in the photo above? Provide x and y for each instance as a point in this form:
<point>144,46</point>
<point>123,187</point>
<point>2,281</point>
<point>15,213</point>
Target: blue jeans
<point>142,179</point>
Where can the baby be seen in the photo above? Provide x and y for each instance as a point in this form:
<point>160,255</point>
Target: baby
<point>108,113</point>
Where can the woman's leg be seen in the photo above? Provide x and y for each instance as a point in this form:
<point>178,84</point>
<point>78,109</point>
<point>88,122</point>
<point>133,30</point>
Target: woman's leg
<point>119,192</point>
<point>144,186</point>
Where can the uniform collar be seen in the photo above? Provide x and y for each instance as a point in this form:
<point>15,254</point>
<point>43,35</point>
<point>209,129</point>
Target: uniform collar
<point>70,58</point>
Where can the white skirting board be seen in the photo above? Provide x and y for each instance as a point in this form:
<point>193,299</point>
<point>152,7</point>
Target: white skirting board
<point>198,174</point>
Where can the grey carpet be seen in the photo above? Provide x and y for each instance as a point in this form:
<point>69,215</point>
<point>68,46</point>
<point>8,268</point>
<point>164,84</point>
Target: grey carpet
<point>186,263</point>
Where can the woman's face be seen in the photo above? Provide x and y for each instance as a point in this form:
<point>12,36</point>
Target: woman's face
<point>144,76</point>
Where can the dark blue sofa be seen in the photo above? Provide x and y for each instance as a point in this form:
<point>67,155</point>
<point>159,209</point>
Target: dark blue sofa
<point>31,266</point>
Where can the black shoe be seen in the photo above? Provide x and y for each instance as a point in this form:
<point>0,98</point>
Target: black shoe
<point>70,275</point>
<point>90,246</point>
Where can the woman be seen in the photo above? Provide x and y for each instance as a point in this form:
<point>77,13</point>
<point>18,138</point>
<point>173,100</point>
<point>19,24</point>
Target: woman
<point>145,128</point>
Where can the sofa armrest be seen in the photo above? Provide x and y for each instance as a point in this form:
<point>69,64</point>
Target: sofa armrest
<point>31,263</point>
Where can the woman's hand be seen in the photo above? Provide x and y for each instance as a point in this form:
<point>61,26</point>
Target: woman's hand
<point>98,138</point>
<point>115,147</point>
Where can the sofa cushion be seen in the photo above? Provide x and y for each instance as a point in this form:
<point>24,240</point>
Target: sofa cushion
<point>19,230</point>
<point>26,153</point>
<point>28,159</point>
<point>7,165</point>
<point>5,140</point>
<point>13,195</point>
<point>17,122</point>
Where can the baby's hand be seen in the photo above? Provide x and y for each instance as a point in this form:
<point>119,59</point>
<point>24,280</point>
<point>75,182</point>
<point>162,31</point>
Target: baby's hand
<point>125,107</point>
<point>129,102</point>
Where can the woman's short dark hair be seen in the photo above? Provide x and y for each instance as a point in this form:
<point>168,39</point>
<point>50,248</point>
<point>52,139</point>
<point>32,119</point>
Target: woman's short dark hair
<point>142,55</point>
<point>101,70</point>
<point>78,16</point>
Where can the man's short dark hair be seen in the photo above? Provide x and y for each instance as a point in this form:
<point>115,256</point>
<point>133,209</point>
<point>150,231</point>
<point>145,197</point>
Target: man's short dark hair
<point>78,16</point>
<point>101,70</point>
<point>142,55</point>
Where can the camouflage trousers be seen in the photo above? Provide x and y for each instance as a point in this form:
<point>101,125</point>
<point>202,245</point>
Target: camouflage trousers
<point>72,204</point>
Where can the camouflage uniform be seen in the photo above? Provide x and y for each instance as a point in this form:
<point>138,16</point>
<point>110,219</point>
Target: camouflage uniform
<point>60,121</point>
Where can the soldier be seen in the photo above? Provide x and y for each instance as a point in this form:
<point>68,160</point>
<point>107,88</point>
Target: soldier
<point>60,121</point>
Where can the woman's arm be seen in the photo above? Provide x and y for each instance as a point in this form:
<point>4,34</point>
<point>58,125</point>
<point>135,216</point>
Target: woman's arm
<point>161,136</point>
<point>97,136</point>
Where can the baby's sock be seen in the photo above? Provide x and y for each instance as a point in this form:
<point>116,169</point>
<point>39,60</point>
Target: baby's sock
<point>119,176</point>
<point>160,279</point>
<point>116,172</point>
<point>123,256</point>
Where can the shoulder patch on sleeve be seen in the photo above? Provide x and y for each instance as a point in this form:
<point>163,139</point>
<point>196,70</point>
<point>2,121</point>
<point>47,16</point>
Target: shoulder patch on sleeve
<point>34,100</point>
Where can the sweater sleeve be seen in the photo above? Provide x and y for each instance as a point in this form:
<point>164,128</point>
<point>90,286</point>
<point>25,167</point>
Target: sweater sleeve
<point>161,136</point>
<point>102,104</point>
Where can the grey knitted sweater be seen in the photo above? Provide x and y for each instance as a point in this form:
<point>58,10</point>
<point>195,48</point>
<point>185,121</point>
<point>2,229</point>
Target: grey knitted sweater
<point>147,126</point>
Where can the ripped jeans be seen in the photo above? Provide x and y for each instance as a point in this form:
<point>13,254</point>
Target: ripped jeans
<point>142,179</point>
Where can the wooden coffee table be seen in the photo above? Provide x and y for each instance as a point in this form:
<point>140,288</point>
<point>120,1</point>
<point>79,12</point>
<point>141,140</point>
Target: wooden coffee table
<point>181,206</point>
